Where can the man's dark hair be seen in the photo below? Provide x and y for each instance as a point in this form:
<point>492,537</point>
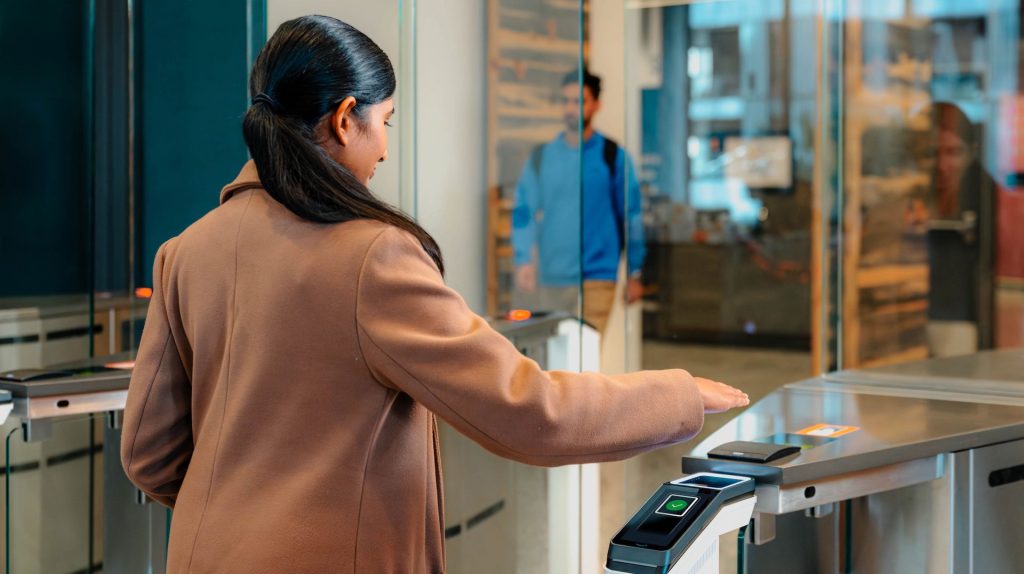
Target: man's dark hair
<point>589,81</point>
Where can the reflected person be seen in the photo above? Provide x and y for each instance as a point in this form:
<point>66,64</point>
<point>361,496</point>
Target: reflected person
<point>961,238</point>
<point>560,238</point>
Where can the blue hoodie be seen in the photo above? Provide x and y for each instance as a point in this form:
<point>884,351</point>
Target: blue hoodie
<point>548,213</point>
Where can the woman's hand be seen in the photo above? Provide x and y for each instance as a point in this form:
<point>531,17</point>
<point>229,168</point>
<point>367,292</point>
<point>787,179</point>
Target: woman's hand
<point>720,397</point>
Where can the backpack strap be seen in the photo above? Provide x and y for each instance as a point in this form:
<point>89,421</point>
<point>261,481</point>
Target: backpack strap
<point>610,153</point>
<point>536,156</point>
<point>611,156</point>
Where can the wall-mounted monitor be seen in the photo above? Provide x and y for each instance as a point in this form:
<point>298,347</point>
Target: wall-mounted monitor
<point>762,162</point>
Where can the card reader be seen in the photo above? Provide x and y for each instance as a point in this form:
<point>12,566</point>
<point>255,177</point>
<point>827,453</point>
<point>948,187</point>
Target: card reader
<point>747,451</point>
<point>677,529</point>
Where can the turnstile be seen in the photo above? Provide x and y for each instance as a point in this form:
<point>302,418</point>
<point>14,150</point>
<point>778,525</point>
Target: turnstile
<point>913,468</point>
<point>516,517</point>
<point>677,529</point>
<point>53,407</point>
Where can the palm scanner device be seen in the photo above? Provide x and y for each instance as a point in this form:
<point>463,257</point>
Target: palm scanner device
<point>940,491</point>
<point>676,531</point>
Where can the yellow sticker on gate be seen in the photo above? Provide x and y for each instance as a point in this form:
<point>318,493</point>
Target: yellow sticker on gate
<point>831,431</point>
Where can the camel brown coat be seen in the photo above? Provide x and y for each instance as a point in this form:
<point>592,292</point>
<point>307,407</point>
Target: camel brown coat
<point>286,386</point>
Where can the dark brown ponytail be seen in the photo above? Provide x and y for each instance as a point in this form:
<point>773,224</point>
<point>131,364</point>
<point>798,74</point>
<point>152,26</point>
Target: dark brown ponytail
<point>304,71</point>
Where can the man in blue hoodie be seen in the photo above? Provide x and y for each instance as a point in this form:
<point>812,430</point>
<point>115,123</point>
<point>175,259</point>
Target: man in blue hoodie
<point>566,229</point>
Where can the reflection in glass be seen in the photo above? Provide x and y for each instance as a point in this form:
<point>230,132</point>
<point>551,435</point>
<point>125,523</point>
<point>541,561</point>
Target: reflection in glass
<point>925,251</point>
<point>533,51</point>
<point>514,517</point>
<point>728,168</point>
<point>575,197</point>
<point>75,286</point>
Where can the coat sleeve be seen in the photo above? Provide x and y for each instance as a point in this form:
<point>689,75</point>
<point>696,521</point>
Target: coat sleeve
<point>156,440</point>
<point>418,336</point>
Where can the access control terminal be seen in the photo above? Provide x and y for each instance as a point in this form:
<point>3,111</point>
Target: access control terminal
<point>814,447</point>
<point>677,529</point>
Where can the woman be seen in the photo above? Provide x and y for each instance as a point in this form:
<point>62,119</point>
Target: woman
<point>301,339</point>
<point>961,238</point>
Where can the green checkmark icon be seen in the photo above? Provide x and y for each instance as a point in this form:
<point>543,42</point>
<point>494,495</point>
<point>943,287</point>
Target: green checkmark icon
<point>675,505</point>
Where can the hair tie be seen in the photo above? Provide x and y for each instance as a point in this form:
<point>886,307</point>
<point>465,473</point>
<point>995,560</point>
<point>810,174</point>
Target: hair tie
<point>262,98</point>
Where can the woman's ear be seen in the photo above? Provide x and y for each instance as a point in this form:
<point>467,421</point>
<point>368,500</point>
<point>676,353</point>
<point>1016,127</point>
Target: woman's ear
<point>342,121</point>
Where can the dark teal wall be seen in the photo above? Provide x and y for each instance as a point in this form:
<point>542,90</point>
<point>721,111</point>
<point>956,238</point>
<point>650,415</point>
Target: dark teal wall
<point>193,94</point>
<point>63,170</point>
<point>43,148</point>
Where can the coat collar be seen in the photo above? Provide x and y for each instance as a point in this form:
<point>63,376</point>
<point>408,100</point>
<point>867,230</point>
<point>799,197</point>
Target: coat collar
<point>248,178</point>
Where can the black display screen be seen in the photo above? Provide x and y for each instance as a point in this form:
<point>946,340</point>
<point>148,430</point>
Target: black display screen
<point>664,518</point>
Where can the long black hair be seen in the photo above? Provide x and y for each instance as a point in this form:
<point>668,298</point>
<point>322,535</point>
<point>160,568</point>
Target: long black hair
<point>302,74</point>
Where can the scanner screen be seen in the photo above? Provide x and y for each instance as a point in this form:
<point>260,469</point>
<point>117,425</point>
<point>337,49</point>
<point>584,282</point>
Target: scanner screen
<point>663,520</point>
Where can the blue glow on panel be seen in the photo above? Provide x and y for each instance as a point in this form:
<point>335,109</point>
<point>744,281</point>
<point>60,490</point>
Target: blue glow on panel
<point>805,8</point>
<point>730,194</point>
<point>960,8</point>
<point>717,109</point>
<point>876,11</point>
<point>732,14</point>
